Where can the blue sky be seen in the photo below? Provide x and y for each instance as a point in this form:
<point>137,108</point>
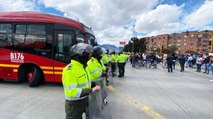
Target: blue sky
<point>114,21</point>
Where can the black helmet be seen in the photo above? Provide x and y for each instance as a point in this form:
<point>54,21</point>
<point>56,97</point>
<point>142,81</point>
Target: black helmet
<point>80,49</point>
<point>107,51</point>
<point>81,53</point>
<point>97,51</point>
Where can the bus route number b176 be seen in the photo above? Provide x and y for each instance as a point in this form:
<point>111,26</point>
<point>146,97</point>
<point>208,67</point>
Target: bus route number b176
<point>17,57</point>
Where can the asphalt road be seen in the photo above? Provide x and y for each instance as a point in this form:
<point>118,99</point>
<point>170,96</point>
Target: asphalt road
<point>162,95</point>
<point>141,94</point>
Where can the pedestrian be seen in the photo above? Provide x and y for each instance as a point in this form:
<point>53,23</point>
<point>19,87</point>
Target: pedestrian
<point>133,57</point>
<point>211,63</point>
<point>206,63</point>
<point>152,59</point>
<point>189,61</point>
<point>174,58</point>
<point>121,60</point>
<point>199,61</point>
<point>144,56</point>
<point>164,60</point>
<point>169,61</point>
<point>182,61</point>
<point>76,83</point>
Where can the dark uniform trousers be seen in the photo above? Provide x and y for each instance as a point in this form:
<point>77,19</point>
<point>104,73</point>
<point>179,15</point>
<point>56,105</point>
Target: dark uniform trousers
<point>121,69</point>
<point>113,65</point>
<point>75,109</point>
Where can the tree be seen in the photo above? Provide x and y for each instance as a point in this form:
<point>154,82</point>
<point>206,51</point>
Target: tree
<point>190,51</point>
<point>157,50</point>
<point>135,45</point>
<point>170,50</point>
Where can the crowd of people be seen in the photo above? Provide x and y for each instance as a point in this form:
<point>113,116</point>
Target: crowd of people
<point>200,61</point>
<point>147,60</point>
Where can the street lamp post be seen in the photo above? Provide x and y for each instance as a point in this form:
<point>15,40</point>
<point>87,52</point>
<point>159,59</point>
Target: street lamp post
<point>133,46</point>
<point>132,41</point>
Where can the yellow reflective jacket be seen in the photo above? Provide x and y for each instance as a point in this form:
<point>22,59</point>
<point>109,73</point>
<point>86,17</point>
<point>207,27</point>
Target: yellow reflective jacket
<point>113,58</point>
<point>105,59</point>
<point>94,69</point>
<point>75,80</point>
<point>122,58</point>
<point>103,67</point>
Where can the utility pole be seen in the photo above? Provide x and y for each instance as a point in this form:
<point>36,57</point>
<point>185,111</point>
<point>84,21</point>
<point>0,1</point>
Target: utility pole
<point>133,39</point>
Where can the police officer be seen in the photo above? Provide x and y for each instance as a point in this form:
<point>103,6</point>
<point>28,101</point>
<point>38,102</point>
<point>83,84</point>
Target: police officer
<point>121,59</point>
<point>105,59</point>
<point>113,62</point>
<point>105,62</point>
<point>96,70</point>
<point>76,83</point>
<point>94,65</point>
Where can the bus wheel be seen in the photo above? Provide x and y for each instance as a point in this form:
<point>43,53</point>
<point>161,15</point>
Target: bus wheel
<point>34,76</point>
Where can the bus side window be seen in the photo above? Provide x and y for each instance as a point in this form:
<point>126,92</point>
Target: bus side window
<point>5,40</point>
<point>64,41</point>
<point>5,35</point>
<point>31,38</point>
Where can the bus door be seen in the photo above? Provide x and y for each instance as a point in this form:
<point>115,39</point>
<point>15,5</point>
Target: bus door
<point>63,41</point>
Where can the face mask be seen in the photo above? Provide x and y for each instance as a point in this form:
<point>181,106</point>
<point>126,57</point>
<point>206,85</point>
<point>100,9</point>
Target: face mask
<point>99,58</point>
<point>84,58</point>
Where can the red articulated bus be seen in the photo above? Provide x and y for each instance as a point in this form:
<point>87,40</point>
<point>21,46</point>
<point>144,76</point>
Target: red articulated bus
<point>35,47</point>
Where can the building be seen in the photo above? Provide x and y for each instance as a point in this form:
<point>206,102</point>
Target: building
<point>184,42</point>
<point>162,41</point>
<point>175,41</point>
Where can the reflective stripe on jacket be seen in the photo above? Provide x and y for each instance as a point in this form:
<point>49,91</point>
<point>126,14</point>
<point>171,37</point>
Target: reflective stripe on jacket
<point>74,79</point>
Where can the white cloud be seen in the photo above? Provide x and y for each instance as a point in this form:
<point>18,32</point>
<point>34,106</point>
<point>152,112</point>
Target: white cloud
<point>163,19</point>
<point>103,15</point>
<point>17,5</point>
<point>201,16</point>
<point>113,35</point>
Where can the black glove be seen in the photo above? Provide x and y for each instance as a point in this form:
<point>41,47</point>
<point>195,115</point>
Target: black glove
<point>103,74</point>
<point>93,84</point>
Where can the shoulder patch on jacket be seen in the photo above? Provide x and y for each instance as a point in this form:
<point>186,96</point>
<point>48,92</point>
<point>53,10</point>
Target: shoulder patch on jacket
<point>69,67</point>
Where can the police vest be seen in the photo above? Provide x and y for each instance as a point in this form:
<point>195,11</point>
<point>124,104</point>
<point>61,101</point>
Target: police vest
<point>74,79</point>
<point>105,59</point>
<point>113,58</point>
<point>122,58</point>
<point>94,69</point>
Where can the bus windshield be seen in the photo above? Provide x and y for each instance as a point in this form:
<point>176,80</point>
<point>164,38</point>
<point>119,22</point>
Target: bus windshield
<point>91,39</point>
